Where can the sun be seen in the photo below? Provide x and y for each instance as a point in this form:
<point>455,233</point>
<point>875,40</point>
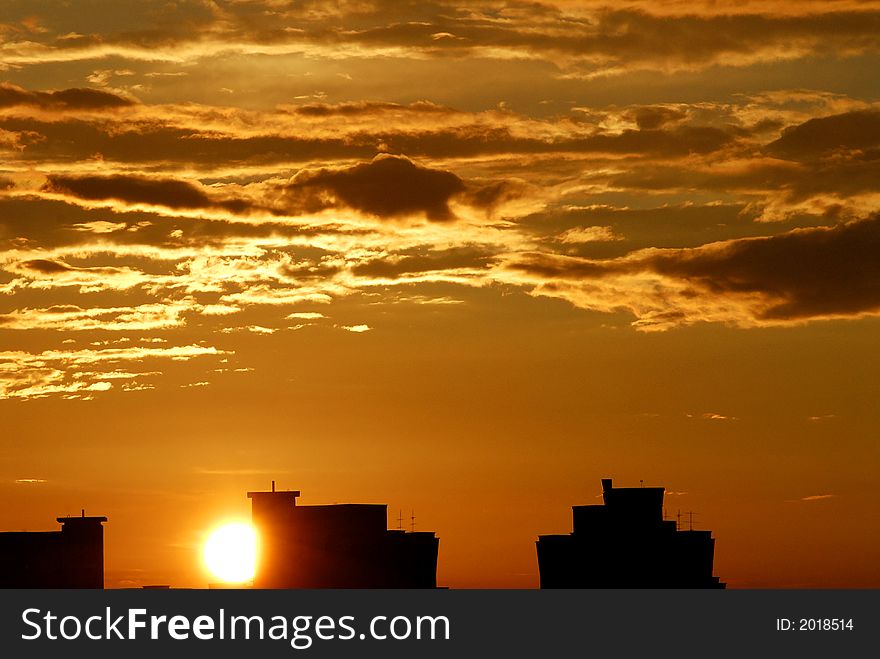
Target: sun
<point>231,552</point>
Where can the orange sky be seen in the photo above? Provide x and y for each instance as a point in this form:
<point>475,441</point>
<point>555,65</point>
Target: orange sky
<point>463,259</point>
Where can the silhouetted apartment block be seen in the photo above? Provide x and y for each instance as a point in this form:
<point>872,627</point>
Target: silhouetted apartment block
<point>70,558</point>
<point>626,543</point>
<point>337,546</point>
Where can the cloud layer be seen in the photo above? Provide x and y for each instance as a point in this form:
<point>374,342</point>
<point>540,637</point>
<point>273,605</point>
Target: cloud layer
<point>223,173</point>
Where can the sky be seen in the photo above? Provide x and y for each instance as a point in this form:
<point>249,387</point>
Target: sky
<point>466,259</point>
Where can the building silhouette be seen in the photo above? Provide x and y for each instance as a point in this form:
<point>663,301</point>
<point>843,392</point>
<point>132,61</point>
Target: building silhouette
<point>70,558</point>
<point>626,543</point>
<point>337,546</point>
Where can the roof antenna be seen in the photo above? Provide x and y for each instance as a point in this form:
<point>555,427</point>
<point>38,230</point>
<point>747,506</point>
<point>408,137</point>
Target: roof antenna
<point>83,512</point>
<point>273,486</point>
<point>412,518</point>
<point>400,519</point>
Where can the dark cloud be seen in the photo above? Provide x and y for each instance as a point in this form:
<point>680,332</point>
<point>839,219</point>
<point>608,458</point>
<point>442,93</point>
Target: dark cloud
<point>63,308</point>
<point>425,260</point>
<point>45,266</point>
<point>679,141</point>
<point>158,144</point>
<point>492,195</point>
<point>485,140</point>
<point>826,182</point>
<point>815,137</point>
<point>553,266</point>
<point>667,226</point>
<point>366,108</point>
<point>51,268</point>
<point>385,187</point>
<point>583,38</point>
<point>607,37</point>
<point>179,195</point>
<point>652,117</point>
<point>132,189</point>
<point>66,99</point>
<point>804,274</point>
<point>154,143</point>
<point>389,187</point>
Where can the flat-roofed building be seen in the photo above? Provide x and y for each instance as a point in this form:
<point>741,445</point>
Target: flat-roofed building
<point>70,558</point>
<point>337,546</point>
<point>626,543</point>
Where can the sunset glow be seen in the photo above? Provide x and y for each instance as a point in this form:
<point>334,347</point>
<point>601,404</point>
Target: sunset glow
<point>464,258</point>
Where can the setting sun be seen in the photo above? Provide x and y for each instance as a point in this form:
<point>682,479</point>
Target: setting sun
<point>231,551</point>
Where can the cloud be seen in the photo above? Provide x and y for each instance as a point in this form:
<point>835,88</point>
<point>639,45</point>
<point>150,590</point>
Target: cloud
<point>46,267</point>
<point>146,209</point>
<point>51,273</point>
<point>819,497</point>
<point>594,234</point>
<point>601,39</point>
<point>255,329</point>
<point>279,295</point>
<point>63,100</point>
<point>357,329</point>
<point>713,416</point>
<point>181,135</point>
<point>100,226</point>
<point>825,135</point>
<point>581,38</point>
<point>652,117</point>
<point>369,108</point>
<point>71,374</point>
<point>418,261</point>
<point>71,317</point>
<point>164,217</point>
<point>804,274</point>
<point>389,187</point>
<point>175,194</point>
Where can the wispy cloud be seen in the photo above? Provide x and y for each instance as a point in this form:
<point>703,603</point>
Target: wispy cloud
<point>357,329</point>
<point>586,38</point>
<point>712,416</point>
<point>72,374</point>
<point>818,497</point>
